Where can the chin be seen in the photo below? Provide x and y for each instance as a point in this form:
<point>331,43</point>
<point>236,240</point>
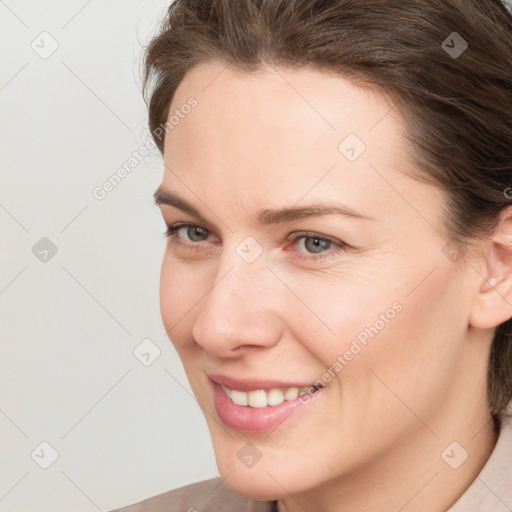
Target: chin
<point>256,486</point>
<point>268,479</point>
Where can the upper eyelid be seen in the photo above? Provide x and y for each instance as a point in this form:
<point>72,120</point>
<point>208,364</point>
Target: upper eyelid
<point>179,225</point>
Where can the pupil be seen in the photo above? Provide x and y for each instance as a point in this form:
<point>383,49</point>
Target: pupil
<point>317,244</point>
<point>195,230</point>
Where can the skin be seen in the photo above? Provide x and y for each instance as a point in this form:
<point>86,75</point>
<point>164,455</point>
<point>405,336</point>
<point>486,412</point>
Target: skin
<point>372,439</point>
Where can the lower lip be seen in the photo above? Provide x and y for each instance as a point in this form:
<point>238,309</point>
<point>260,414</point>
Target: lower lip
<point>254,419</point>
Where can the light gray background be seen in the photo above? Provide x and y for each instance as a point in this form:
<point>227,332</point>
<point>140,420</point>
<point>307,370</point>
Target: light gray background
<point>69,325</point>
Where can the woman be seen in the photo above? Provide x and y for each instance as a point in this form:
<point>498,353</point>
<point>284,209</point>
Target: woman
<point>338,275</point>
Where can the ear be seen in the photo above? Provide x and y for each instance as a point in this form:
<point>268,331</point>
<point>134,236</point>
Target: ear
<point>493,304</point>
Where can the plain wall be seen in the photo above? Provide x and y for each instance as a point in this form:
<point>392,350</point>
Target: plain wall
<point>70,321</point>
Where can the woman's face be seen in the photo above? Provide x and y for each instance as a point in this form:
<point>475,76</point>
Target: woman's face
<point>366,303</point>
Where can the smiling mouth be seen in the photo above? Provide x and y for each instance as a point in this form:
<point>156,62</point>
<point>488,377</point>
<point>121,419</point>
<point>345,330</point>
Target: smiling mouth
<point>256,405</point>
<point>260,398</point>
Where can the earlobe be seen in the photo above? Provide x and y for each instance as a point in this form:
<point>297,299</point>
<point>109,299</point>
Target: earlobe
<point>493,303</point>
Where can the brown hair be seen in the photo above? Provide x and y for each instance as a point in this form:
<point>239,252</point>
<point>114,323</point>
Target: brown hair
<point>458,108</point>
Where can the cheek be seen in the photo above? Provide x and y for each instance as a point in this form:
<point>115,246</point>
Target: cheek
<point>407,363</point>
<point>180,293</point>
<point>379,323</point>
<point>342,315</point>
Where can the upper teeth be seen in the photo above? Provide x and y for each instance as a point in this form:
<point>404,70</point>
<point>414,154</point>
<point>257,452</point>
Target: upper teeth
<point>263,397</point>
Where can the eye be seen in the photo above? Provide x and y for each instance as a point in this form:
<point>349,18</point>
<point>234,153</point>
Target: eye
<point>318,246</point>
<point>191,230</point>
<point>314,242</point>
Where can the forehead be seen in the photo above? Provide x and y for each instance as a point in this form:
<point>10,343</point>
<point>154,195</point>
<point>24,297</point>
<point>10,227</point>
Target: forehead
<point>285,134</point>
<point>279,97</point>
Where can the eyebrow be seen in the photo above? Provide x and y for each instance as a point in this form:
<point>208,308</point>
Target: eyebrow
<point>266,216</point>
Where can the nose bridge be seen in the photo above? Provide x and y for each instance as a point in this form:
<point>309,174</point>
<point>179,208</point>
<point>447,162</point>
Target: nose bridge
<point>238,309</point>
<point>241,272</point>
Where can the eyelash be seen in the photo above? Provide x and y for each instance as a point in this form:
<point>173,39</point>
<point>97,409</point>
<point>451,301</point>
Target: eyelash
<point>171,233</point>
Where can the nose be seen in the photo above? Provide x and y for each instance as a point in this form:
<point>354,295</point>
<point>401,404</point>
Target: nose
<point>241,310</point>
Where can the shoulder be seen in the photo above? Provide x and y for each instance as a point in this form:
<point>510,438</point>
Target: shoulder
<point>206,496</point>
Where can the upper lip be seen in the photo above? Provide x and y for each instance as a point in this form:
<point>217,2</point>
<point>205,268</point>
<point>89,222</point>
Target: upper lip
<point>253,384</point>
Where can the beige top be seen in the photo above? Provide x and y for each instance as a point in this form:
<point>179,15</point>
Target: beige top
<point>491,491</point>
